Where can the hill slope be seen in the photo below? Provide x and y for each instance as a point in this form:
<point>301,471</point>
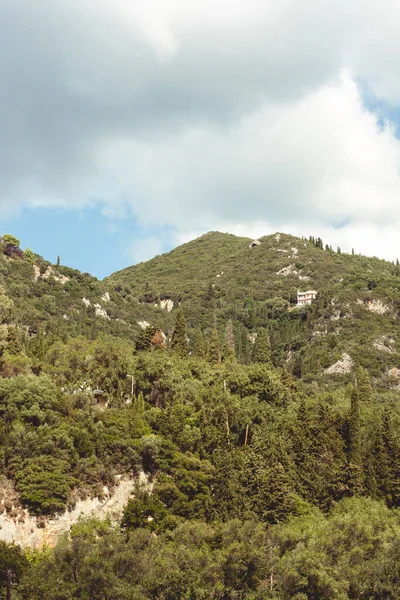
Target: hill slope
<point>221,277</point>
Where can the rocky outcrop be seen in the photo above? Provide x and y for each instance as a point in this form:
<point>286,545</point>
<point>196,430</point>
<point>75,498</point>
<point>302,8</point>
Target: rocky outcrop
<point>290,270</point>
<point>375,306</point>
<point>385,344</point>
<point>344,365</point>
<point>143,324</point>
<point>49,272</point>
<point>19,527</point>
<point>167,304</point>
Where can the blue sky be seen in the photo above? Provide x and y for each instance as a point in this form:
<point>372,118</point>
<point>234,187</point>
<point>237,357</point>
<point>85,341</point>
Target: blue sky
<point>129,127</point>
<point>84,239</point>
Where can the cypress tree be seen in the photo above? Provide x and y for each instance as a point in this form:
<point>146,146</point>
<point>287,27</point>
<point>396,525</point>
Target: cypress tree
<point>230,336</point>
<point>200,346</point>
<point>380,462</point>
<point>178,339</point>
<point>364,387</point>
<point>214,349</point>
<point>355,459</point>
<point>262,348</point>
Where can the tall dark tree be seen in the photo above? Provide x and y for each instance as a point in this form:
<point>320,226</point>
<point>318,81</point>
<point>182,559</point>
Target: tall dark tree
<point>200,345</point>
<point>364,387</point>
<point>214,348</point>
<point>355,457</point>
<point>262,347</point>
<point>178,339</point>
<point>143,340</point>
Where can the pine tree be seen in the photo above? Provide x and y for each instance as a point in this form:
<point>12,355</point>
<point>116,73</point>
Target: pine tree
<point>8,238</point>
<point>214,349</point>
<point>29,256</point>
<point>178,339</point>
<point>262,348</point>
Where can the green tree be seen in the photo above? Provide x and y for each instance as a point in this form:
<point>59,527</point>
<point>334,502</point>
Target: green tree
<point>178,339</point>
<point>200,345</point>
<point>11,239</point>
<point>355,456</point>
<point>29,256</point>
<point>214,348</point>
<point>364,387</point>
<point>143,340</point>
<point>6,306</point>
<point>262,348</point>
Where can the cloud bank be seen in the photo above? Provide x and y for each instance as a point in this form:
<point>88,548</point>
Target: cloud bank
<point>249,116</point>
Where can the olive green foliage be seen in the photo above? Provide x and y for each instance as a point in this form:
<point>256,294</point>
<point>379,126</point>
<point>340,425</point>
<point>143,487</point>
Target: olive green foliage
<point>214,349</point>
<point>29,256</point>
<point>364,387</point>
<point>8,238</point>
<point>262,348</point>
<point>52,442</point>
<point>178,339</point>
<point>143,340</point>
<point>270,478</point>
<point>219,279</point>
<point>351,553</point>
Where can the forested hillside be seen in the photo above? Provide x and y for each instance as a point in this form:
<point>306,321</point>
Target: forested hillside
<point>270,433</point>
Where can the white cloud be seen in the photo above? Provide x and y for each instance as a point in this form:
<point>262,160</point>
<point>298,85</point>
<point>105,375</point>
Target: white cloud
<point>200,115</point>
<point>323,158</point>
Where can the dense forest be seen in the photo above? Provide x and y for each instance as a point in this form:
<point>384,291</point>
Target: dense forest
<point>271,474</point>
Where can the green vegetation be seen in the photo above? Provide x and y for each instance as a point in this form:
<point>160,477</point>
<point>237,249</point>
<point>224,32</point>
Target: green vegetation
<point>270,477</point>
<point>11,239</point>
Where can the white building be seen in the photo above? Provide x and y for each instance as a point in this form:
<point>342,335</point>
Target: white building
<point>306,297</point>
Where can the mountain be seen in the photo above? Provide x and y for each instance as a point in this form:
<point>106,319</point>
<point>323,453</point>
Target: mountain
<point>219,278</point>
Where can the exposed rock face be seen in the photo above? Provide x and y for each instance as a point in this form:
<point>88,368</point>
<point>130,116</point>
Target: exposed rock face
<point>344,365</point>
<point>290,270</point>
<point>106,297</point>
<point>167,304</point>
<point>143,324</point>
<point>17,526</point>
<point>254,243</point>
<point>395,372</point>
<point>86,302</point>
<point>385,344</point>
<point>99,311</point>
<point>50,273</point>
<point>375,306</point>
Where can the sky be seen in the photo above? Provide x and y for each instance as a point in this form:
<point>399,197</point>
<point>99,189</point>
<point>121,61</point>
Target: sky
<point>129,127</point>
